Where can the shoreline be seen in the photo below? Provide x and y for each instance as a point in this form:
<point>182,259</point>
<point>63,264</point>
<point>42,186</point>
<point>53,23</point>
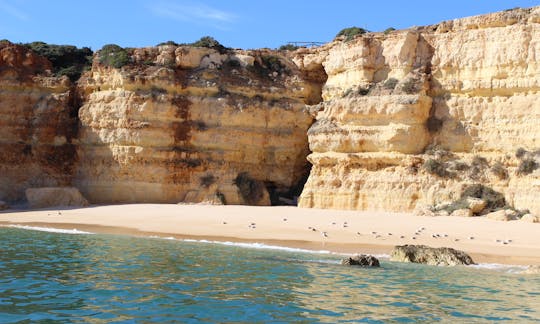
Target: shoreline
<point>291,227</point>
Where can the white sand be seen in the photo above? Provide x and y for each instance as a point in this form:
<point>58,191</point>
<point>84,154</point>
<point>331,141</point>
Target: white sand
<point>196,221</point>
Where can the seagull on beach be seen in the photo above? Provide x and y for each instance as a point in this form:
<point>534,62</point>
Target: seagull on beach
<point>471,237</point>
<point>324,234</point>
<point>358,233</point>
<point>224,223</point>
<point>402,237</point>
<point>284,219</point>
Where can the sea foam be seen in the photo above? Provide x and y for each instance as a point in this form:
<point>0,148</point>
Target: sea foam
<point>50,229</point>
<point>254,245</point>
<point>508,268</point>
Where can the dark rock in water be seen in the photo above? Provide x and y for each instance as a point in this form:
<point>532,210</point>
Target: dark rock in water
<point>428,255</point>
<point>361,260</point>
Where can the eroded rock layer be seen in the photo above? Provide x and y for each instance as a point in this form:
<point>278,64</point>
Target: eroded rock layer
<point>185,124</point>
<point>38,120</point>
<point>411,117</point>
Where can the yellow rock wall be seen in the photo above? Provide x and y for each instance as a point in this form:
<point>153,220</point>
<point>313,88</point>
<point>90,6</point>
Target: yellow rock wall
<point>183,123</point>
<point>469,86</point>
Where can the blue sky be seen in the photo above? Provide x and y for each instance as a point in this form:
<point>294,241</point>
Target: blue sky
<point>235,23</point>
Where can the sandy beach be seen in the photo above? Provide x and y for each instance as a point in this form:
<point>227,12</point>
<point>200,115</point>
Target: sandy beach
<point>340,231</point>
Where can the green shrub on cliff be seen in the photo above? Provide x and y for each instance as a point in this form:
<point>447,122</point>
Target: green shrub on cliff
<point>114,56</point>
<point>173,43</point>
<point>351,33</point>
<point>288,47</point>
<point>66,60</point>
<point>209,42</point>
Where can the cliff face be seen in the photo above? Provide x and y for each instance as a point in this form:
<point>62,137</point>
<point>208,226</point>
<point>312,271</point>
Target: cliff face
<point>38,120</point>
<point>393,121</point>
<point>412,117</point>
<point>192,125</point>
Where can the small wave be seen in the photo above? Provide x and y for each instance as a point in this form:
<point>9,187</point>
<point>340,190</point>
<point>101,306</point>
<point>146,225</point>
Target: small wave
<point>50,229</point>
<point>508,268</point>
<point>248,245</point>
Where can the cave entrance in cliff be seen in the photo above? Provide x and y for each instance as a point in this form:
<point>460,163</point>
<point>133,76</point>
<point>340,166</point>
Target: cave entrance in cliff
<point>316,76</point>
<point>288,196</point>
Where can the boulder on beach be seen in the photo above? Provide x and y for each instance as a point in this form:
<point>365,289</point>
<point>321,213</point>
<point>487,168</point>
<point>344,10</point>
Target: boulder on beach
<point>503,215</point>
<point>530,218</point>
<point>464,212</point>
<point>362,260</point>
<point>429,255</point>
<point>55,197</point>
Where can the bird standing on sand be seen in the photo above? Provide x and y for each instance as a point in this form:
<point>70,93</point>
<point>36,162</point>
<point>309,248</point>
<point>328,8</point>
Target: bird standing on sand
<point>324,234</point>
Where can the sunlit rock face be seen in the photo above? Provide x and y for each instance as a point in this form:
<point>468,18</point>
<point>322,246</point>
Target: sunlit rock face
<point>37,124</point>
<point>185,124</point>
<point>468,86</point>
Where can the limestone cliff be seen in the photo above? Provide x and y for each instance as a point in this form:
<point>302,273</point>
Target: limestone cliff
<point>38,120</point>
<point>188,124</point>
<point>411,117</point>
<point>393,120</point>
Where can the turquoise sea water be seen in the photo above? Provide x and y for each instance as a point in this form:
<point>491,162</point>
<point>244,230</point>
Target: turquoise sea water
<point>55,277</point>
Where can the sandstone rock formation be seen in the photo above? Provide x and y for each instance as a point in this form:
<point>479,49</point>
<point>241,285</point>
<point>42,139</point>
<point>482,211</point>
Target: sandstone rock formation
<point>397,121</point>
<point>38,121</point>
<point>411,117</point>
<point>55,197</point>
<point>176,124</point>
<point>428,255</point>
<point>530,218</point>
<point>185,124</point>
<point>361,260</point>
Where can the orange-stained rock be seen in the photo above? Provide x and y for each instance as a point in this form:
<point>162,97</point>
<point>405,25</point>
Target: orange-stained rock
<point>38,121</point>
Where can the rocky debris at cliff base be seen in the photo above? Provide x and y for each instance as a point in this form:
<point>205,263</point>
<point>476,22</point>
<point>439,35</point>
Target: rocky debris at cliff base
<point>503,215</point>
<point>55,197</point>
<point>530,218</point>
<point>429,255</point>
<point>465,212</point>
<point>476,205</point>
<point>3,205</point>
<point>362,260</point>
